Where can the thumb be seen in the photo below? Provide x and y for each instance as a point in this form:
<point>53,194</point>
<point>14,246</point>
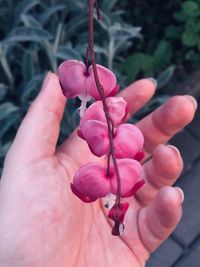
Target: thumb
<point>38,133</point>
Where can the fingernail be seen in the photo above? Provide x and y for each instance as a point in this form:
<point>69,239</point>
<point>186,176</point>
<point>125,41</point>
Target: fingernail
<point>193,100</point>
<point>153,81</point>
<point>176,151</point>
<point>46,79</point>
<point>181,193</point>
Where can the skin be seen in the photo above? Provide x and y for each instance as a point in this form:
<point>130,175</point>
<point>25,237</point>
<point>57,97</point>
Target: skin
<point>43,224</point>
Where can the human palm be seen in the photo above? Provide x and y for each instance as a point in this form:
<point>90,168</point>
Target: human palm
<point>43,224</point>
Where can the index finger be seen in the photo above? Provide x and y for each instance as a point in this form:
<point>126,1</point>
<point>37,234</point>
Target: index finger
<point>170,118</point>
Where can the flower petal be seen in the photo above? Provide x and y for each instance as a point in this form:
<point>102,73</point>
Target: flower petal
<point>94,112</point>
<point>107,80</point>
<point>135,188</point>
<point>117,213</point>
<point>91,181</point>
<point>72,76</point>
<point>130,173</point>
<point>95,134</point>
<point>117,108</point>
<point>128,141</point>
<point>76,82</point>
<point>84,198</point>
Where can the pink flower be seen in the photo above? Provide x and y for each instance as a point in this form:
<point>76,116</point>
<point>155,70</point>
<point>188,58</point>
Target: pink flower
<point>75,80</point>
<point>92,180</point>
<point>117,108</point>
<point>128,139</point>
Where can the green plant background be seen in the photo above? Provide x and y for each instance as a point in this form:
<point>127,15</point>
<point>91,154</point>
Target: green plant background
<point>135,39</point>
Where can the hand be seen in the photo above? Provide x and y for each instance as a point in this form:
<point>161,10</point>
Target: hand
<point>43,224</point>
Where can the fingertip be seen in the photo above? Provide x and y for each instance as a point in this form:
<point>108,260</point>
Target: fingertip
<point>138,94</point>
<point>177,113</point>
<point>193,101</point>
<point>51,96</point>
<point>168,206</point>
<point>158,220</point>
<point>47,78</point>
<point>51,85</point>
<point>146,86</point>
<point>154,81</point>
<point>168,196</point>
<point>167,161</point>
<point>181,193</point>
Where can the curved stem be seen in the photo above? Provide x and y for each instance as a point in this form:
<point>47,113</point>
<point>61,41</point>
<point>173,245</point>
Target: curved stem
<point>101,93</point>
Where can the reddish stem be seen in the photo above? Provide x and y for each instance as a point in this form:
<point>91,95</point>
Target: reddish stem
<point>98,11</point>
<point>101,93</point>
<point>86,60</point>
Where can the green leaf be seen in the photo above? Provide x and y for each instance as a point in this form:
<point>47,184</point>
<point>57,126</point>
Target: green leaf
<point>5,65</point>
<point>165,76</point>
<point>100,50</point>
<point>28,66</point>
<point>3,90</point>
<point>190,8</point>
<point>192,55</point>
<point>6,109</point>
<point>48,48</point>
<point>108,5</point>
<point>67,53</point>
<point>30,21</point>
<point>31,88</point>
<point>74,26</point>
<point>25,6</point>
<point>136,63</point>
<point>50,11</point>
<point>4,149</point>
<point>162,55</point>
<point>174,32</point>
<point>9,121</point>
<point>131,67</point>
<point>180,16</point>
<point>28,34</point>
<point>190,38</point>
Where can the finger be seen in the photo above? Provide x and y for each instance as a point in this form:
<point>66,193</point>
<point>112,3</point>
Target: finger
<point>162,170</point>
<point>158,220</point>
<point>166,121</point>
<point>38,132</point>
<point>137,95</point>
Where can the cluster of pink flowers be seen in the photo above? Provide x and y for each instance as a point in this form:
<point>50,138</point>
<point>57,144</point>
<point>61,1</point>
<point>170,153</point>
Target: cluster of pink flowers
<point>99,180</point>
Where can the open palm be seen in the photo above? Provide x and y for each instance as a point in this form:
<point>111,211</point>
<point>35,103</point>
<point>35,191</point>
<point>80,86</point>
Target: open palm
<point>43,224</point>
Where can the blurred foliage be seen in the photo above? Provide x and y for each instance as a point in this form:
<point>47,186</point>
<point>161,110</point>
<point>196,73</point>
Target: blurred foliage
<point>35,36</point>
<point>170,38</point>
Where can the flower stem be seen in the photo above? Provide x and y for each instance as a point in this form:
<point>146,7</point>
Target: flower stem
<point>97,10</point>
<point>103,99</point>
<point>86,60</point>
